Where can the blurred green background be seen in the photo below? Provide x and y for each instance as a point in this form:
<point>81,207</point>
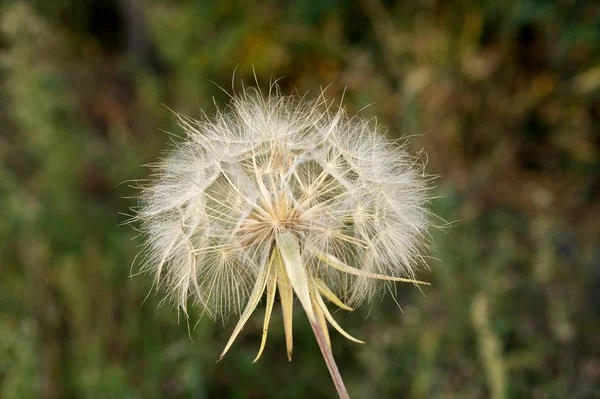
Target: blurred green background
<point>502,96</point>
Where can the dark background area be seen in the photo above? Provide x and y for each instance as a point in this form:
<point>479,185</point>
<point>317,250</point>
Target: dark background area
<point>503,98</point>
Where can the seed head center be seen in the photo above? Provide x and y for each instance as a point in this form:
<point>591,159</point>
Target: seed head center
<point>270,218</point>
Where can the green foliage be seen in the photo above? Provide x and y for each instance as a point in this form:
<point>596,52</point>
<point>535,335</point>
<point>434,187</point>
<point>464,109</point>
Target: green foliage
<point>504,98</point>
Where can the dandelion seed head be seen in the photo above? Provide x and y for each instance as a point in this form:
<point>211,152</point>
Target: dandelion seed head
<point>282,194</point>
<point>269,164</point>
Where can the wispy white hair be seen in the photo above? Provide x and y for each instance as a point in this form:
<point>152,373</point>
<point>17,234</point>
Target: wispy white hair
<point>351,196</point>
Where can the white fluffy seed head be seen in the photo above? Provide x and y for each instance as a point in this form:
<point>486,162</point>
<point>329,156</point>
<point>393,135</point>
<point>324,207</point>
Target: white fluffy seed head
<point>272,163</point>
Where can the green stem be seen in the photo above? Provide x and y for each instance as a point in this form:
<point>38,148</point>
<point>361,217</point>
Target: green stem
<point>330,362</point>
<point>290,252</point>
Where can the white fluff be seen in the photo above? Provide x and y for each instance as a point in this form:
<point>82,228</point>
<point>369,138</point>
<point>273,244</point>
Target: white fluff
<point>269,164</point>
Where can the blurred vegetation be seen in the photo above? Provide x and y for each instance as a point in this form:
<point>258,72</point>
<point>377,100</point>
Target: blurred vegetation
<point>503,97</point>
